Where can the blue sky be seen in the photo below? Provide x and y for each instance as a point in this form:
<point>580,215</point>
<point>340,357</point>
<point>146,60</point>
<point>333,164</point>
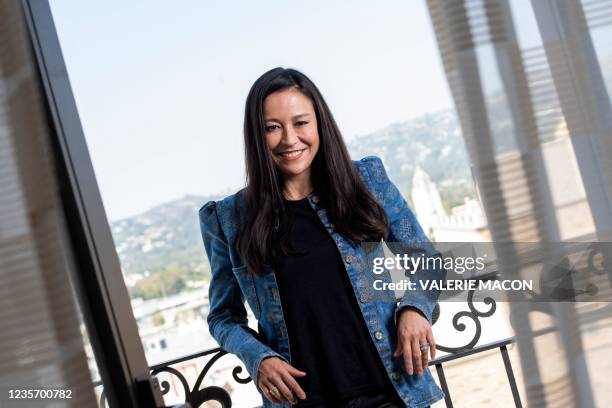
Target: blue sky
<point>160,86</point>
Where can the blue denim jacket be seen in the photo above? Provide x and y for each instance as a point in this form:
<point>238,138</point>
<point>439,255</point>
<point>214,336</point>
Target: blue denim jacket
<point>231,285</point>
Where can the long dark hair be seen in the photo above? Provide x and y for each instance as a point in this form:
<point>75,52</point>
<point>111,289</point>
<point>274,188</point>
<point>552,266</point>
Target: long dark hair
<point>350,206</point>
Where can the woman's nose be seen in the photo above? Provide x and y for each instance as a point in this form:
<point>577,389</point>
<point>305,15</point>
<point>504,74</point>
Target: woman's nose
<point>290,136</point>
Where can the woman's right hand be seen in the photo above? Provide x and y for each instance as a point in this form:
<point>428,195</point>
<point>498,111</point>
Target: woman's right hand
<point>276,380</point>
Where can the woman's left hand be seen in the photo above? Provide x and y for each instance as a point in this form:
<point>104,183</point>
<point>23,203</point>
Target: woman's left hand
<point>413,330</point>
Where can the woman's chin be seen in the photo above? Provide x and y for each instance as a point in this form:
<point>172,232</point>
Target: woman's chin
<point>293,170</point>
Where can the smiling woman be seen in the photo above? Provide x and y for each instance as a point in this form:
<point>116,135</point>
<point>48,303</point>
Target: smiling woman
<point>294,232</point>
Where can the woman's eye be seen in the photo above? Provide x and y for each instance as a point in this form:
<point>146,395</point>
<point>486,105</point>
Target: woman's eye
<point>301,123</point>
<point>271,128</point>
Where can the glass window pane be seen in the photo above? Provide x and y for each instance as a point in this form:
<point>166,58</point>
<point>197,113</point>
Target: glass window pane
<point>161,97</point>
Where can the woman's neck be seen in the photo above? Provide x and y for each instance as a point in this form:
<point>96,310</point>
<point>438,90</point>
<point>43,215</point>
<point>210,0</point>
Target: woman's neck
<point>297,188</point>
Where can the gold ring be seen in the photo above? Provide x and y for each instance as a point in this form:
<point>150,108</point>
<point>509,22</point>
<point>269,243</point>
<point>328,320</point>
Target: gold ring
<point>273,391</point>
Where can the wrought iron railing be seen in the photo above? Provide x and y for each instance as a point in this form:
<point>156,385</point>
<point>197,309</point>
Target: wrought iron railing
<point>502,345</point>
<point>196,396</point>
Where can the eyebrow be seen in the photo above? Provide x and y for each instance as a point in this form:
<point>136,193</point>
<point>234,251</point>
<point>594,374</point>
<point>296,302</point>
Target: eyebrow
<point>295,117</point>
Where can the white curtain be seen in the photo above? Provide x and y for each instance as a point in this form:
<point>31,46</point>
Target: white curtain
<point>41,344</point>
<point>535,117</point>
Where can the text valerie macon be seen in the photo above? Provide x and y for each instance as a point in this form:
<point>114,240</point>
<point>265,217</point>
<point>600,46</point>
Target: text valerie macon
<point>455,284</point>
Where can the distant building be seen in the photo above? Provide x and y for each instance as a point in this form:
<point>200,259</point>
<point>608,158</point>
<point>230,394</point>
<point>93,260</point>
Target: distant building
<point>466,223</point>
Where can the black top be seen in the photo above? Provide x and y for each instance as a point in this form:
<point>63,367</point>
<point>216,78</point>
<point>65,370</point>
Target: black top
<point>328,336</point>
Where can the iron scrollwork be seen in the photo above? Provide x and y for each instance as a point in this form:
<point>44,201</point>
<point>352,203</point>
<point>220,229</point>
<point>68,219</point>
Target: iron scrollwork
<point>474,314</point>
<point>195,395</point>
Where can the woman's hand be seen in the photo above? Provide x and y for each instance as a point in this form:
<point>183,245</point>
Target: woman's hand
<point>413,330</point>
<point>276,380</point>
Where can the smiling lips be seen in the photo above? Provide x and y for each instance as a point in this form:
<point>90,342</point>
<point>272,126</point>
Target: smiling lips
<point>292,155</point>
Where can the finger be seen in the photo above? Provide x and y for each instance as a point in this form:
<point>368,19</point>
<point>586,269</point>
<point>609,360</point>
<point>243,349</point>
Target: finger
<point>293,385</point>
<point>267,386</point>
<point>263,383</point>
<point>424,355</point>
<point>416,355</point>
<point>432,344</point>
<point>294,371</point>
<point>286,393</point>
<point>407,351</point>
<point>398,348</point>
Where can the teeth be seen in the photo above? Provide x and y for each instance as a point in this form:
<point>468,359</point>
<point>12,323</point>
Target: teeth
<point>292,154</point>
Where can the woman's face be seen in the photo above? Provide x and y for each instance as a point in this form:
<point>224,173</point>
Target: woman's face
<point>291,131</point>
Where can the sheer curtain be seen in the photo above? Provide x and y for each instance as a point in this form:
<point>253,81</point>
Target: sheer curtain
<point>41,344</point>
<point>530,89</point>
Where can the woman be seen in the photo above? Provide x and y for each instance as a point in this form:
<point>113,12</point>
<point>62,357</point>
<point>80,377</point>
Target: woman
<point>289,243</point>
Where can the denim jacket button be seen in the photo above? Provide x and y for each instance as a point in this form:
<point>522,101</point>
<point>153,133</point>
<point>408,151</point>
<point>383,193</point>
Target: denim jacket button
<point>379,335</point>
<point>396,376</point>
<point>315,199</point>
<point>363,298</point>
<point>332,226</point>
<point>274,293</point>
<point>349,258</point>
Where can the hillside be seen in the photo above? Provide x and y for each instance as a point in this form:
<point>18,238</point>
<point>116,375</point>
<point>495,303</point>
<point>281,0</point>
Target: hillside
<point>166,236</point>
<point>433,141</point>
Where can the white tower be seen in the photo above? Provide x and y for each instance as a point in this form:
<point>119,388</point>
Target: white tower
<point>426,199</point>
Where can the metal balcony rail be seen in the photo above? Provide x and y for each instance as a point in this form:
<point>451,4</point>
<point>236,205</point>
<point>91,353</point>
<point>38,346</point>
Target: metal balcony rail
<point>196,396</point>
<point>502,345</point>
